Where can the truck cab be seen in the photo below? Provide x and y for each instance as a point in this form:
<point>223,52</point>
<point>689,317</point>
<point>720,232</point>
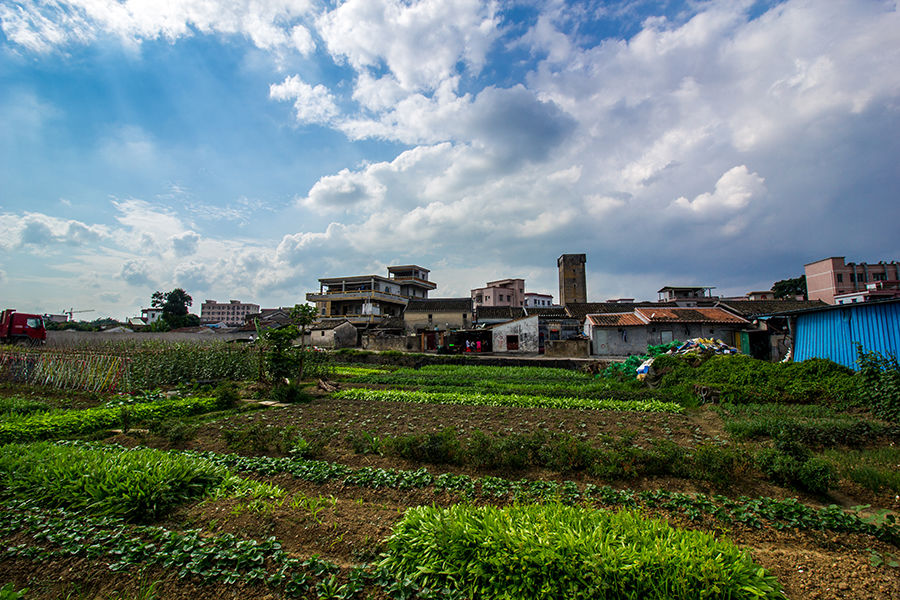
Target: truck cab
<point>21,328</point>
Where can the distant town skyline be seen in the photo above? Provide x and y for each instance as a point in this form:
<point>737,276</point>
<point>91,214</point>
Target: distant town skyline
<point>242,150</point>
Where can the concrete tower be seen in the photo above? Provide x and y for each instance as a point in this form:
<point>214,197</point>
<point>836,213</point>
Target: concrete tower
<point>572,286</point>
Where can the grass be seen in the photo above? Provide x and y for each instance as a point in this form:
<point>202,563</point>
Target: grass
<point>876,469</point>
<point>810,424</point>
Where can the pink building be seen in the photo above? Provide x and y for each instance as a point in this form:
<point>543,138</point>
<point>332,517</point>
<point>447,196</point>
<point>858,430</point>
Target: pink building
<point>503,292</point>
<point>831,277</point>
<point>233,313</point>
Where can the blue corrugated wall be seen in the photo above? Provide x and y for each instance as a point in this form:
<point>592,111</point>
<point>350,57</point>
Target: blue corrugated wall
<point>834,333</point>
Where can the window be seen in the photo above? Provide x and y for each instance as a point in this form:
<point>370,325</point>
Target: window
<point>879,277</point>
<point>840,278</point>
<point>665,336</point>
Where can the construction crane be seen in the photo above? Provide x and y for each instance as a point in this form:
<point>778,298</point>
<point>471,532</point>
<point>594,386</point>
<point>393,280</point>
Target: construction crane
<point>71,312</point>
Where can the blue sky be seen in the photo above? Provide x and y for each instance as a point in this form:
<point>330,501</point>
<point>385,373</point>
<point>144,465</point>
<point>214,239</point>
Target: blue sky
<point>244,149</point>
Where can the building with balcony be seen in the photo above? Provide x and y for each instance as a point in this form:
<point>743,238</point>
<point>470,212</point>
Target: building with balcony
<point>831,279</point>
<point>503,292</point>
<point>370,299</point>
<point>535,300</point>
<point>687,295</point>
<point>233,313</point>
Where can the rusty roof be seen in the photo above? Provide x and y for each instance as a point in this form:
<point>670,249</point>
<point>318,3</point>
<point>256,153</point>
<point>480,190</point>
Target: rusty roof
<point>753,308</point>
<point>658,314</point>
<point>615,320</point>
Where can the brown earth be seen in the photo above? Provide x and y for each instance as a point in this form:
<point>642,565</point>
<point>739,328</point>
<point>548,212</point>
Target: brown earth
<point>346,524</point>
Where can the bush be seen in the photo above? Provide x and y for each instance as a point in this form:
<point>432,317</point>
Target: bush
<point>557,551</point>
<point>742,379</point>
<point>139,485</point>
<point>176,431</point>
<point>226,394</point>
<point>880,383</point>
<point>440,448</point>
<point>290,393</point>
<point>790,463</point>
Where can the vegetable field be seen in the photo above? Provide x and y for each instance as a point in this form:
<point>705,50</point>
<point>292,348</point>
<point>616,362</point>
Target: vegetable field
<point>445,481</point>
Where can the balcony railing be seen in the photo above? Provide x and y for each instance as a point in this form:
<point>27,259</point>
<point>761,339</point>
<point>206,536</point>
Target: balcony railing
<point>338,295</point>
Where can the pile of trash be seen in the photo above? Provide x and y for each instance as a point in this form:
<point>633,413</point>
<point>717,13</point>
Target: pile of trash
<point>698,346</point>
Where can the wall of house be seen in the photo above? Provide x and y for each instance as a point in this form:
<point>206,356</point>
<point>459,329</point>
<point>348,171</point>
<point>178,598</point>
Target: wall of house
<point>624,341</point>
<point>567,348</point>
<point>382,342</point>
<point>441,319</point>
<point>526,331</point>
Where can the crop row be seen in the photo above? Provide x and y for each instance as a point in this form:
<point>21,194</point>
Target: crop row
<point>196,557</point>
<point>466,375</point>
<point>753,512</point>
<point>140,484</point>
<point>557,551</point>
<point>78,422</point>
<point>516,400</point>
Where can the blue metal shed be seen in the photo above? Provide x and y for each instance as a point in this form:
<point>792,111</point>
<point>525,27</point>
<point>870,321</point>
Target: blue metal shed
<point>834,331</point>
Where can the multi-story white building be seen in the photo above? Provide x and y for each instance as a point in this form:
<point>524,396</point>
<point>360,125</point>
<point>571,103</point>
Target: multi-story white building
<point>535,300</point>
<point>370,299</point>
<point>233,313</point>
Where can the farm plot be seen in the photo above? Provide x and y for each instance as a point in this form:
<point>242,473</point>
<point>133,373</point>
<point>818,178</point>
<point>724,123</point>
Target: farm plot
<point>342,477</point>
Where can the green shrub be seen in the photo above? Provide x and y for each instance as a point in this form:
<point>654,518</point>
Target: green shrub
<point>290,393</point>
<point>881,383</point>
<point>227,395</point>
<point>742,379</point>
<point>139,485</point>
<point>176,431</point>
<point>556,551</point>
<point>790,463</point>
<point>8,592</point>
<point>875,469</point>
<point>260,438</point>
<point>442,447</point>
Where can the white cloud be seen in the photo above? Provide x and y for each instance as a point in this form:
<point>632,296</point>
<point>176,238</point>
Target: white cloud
<point>734,191</point>
<point>136,272</point>
<point>44,26</point>
<point>44,232</point>
<point>185,243</point>
<point>420,43</point>
<point>312,104</point>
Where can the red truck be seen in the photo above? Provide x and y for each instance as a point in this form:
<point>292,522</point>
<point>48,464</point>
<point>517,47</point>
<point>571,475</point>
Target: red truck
<point>21,328</point>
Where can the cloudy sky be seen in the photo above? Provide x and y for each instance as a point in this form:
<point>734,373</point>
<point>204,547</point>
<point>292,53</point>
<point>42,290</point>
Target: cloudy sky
<point>244,148</point>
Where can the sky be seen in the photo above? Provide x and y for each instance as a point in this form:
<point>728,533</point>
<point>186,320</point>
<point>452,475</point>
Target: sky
<point>243,149</point>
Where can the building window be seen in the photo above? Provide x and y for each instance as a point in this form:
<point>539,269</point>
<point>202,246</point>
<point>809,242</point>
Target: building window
<point>665,336</point>
<point>840,278</point>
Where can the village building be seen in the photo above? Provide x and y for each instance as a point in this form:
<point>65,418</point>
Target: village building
<point>367,300</point>
<point>831,278</point>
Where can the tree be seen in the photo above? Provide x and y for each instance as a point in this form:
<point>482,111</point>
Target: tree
<point>281,358</point>
<point>174,307</point>
<point>790,288</point>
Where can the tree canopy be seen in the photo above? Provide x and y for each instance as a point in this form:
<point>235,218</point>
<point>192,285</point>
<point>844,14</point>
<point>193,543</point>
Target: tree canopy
<point>174,307</point>
<point>790,288</point>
